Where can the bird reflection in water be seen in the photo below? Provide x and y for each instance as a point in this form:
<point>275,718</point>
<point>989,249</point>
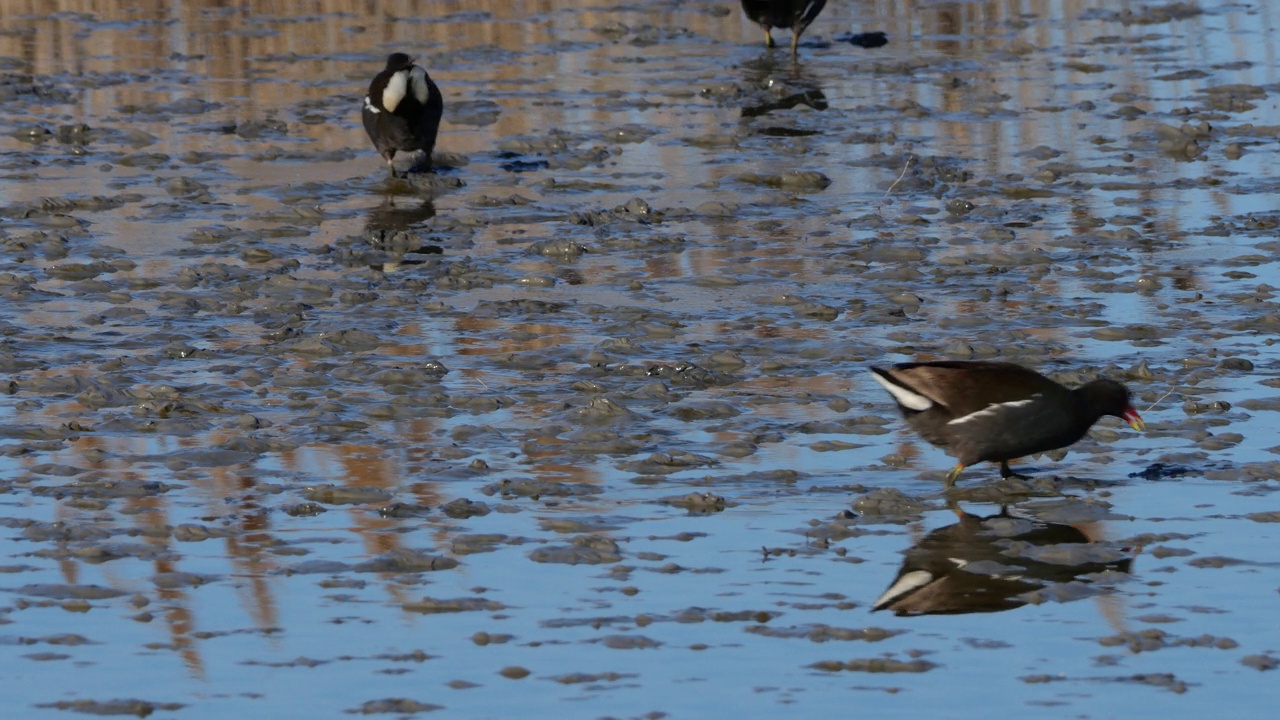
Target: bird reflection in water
<point>390,229</point>
<point>990,564</point>
<point>775,90</point>
<point>392,216</point>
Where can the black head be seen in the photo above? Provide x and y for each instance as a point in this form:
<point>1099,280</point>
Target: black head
<point>1105,396</point>
<point>398,61</point>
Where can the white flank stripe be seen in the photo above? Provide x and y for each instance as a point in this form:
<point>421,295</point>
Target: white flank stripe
<point>368,105</point>
<point>418,81</point>
<point>394,92</point>
<point>993,409</point>
<point>913,580</point>
<point>906,398</point>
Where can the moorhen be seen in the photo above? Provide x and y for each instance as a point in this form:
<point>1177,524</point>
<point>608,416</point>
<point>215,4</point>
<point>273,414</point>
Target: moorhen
<point>402,110</point>
<point>998,411</point>
<point>794,14</point>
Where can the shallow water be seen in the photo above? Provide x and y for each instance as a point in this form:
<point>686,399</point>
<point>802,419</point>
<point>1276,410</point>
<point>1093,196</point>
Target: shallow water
<point>581,424</point>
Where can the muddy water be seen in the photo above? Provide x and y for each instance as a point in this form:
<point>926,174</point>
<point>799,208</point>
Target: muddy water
<point>581,425</point>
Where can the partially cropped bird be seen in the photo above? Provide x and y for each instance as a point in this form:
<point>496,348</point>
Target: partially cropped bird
<point>998,411</point>
<point>793,14</point>
<point>402,110</point>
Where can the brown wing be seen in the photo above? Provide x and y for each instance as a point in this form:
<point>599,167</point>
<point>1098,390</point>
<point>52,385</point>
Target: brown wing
<point>967,387</point>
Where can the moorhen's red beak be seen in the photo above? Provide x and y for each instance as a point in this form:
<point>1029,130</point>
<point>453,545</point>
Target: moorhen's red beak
<point>1132,417</point>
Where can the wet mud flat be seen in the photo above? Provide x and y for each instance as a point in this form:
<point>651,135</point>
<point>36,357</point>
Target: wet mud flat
<point>581,422</point>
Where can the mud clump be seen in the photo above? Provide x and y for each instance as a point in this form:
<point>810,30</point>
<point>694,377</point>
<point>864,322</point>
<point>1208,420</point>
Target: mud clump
<point>875,665</point>
<point>582,550</point>
<point>430,606</point>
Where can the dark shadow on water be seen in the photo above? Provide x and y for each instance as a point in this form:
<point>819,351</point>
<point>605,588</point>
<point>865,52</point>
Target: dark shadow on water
<point>1162,471</point>
<point>990,564</point>
<point>517,163</point>
<point>869,40</point>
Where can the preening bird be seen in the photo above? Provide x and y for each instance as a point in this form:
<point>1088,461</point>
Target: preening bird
<point>402,110</point>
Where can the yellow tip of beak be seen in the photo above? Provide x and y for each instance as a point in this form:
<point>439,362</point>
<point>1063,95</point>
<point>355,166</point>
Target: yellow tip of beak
<point>1132,417</point>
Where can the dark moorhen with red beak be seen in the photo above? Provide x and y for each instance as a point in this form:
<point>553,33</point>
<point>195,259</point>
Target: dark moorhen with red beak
<point>998,411</point>
<point>794,14</point>
<point>402,110</point>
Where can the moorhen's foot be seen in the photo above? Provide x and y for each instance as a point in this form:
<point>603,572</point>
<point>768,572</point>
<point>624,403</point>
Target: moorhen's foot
<point>1007,472</point>
<point>793,15</point>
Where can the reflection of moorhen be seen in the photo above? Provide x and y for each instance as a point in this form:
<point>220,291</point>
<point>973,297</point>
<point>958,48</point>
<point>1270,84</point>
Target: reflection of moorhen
<point>393,250</point>
<point>390,216</point>
<point>773,88</point>
<point>998,411</point>
<point>815,99</point>
<point>794,14</point>
<point>402,110</point>
<point>984,564</point>
<point>393,240</point>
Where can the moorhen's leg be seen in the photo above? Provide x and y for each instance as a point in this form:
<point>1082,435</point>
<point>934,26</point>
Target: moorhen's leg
<point>795,43</point>
<point>421,164</point>
<point>1007,472</point>
<point>954,475</point>
<point>768,38</point>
